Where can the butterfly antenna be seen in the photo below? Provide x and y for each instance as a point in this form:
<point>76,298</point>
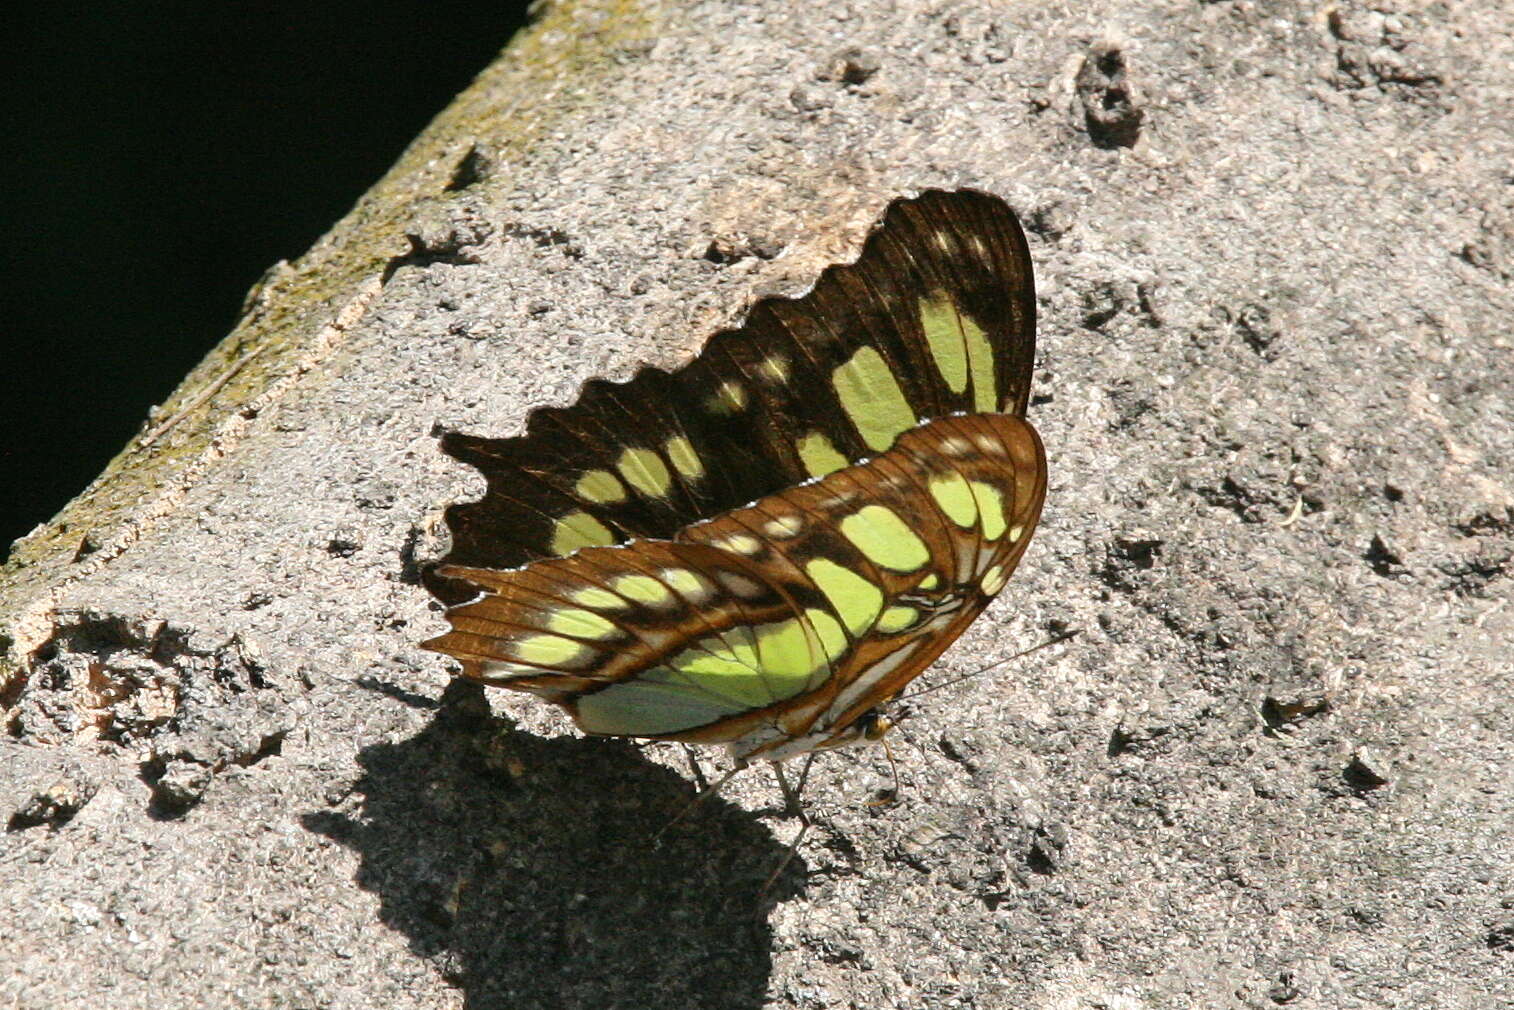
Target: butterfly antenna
<point>900,730</point>
<point>1054,640</point>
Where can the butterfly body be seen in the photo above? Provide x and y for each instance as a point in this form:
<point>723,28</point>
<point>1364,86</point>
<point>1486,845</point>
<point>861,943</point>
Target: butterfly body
<point>764,547</point>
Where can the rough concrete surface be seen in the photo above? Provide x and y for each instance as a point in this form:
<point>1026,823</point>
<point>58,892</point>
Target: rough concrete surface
<point>1274,244</point>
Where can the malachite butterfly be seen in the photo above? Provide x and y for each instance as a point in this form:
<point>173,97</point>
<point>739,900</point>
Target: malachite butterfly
<point>765,546</point>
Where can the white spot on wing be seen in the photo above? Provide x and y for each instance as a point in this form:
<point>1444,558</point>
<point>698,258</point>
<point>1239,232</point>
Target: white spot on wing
<point>956,446</point>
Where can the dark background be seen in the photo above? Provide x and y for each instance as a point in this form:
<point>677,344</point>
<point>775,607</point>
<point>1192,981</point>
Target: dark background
<point>158,158</point>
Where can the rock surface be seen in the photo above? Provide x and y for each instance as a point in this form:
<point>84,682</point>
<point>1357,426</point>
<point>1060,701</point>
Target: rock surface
<point>1275,768</point>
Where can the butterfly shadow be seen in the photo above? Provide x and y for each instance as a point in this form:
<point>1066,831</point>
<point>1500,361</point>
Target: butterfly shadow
<point>529,871</point>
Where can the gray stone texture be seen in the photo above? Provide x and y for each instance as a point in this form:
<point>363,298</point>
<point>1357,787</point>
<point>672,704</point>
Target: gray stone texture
<point>1275,768</point>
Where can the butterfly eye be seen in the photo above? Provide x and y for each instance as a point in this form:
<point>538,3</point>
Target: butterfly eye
<point>875,724</point>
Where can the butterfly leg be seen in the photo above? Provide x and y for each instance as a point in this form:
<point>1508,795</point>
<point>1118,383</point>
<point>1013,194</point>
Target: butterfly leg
<point>795,809</point>
<point>890,796</point>
<point>699,777</point>
<point>791,804</point>
<point>699,799</point>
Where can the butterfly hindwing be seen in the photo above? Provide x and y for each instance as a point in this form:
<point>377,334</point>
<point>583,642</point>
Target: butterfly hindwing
<point>653,639</point>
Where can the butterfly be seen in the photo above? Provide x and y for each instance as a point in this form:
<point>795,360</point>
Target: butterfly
<point>764,547</point>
